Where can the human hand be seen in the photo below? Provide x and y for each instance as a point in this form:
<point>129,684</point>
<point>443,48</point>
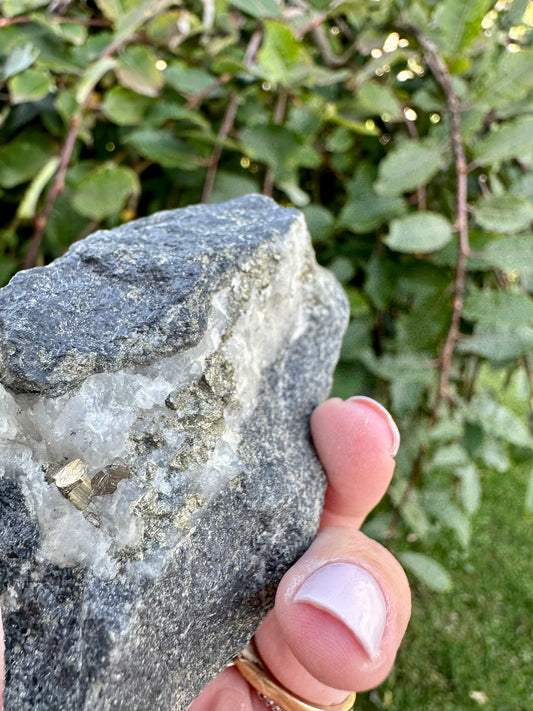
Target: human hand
<point>341,611</point>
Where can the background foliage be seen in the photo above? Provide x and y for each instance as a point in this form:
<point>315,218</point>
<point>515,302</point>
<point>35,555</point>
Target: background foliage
<point>404,131</point>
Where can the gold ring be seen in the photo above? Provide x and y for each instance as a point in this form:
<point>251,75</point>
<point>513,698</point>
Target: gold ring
<point>278,697</point>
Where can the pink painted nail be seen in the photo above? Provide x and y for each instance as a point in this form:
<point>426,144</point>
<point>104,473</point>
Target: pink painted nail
<point>374,405</point>
<point>351,595</point>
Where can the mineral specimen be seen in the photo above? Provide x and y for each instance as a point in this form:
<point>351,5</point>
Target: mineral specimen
<point>156,473</point>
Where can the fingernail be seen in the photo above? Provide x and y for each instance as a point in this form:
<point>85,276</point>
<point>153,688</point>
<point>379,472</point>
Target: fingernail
<point>353,597</point>
<point>374,405</point>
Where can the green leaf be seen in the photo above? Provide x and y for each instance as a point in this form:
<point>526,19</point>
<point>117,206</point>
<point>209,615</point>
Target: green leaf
<point>449,457</point>
<point>165,30</point>
<point>414,515</point>
<point>364,210</point>
<point>498,421</point>
<point>10,8</point>
<point>188,80</point>
<point>459,24</point>
<point>439,505</point>
<point>507,80</point>
<point>380,100</point>
<point>470,488</point>
<point>20,58</point>
<point>494,455</point>
<point>379,526</point>
<point>293,191</point>
<point>231,185</point>
<point>502,344</point>
<point>63,227</point>
<point>320,222</point>
<point>161,111</point>
<point>163,147</point>
<point>406,167</point>
<point>28,206</point>
<point>497,307</point>
<point>511,140</point>
<point>419,232</point>
<point>111,9</point>
<point>278,147</point>
<point>30,85</point>
<point>105,190</point>
<point>71,32</point>
<point>342,268</point>
<point>258,8</point>
<point>136,15</point>
<point>427,570</point>
<point>356,338</point>
<point>504,213</point>
<point>280,53</point>
<point>21,159</point>
<point>513,253</point>
<point>124,107</point>
<point>137,70</point>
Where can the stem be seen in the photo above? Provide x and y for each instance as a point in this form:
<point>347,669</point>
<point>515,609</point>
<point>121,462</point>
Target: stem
<point>64,159</point>
<point>228,121</point>
<point>225,128</point>
<point>441,73</point>
<point>55,191</point>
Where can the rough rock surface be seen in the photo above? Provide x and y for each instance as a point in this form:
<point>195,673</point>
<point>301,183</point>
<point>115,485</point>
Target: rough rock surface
<point>156,474</point>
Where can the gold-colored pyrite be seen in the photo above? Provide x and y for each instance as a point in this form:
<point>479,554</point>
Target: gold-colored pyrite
<point>74,483</point>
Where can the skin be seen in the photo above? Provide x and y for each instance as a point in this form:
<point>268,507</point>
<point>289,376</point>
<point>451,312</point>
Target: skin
<point>311,652</point>
<point>308,649</point>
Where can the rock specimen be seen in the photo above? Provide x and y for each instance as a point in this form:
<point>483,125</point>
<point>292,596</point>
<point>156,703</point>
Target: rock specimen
<point>156,474</point>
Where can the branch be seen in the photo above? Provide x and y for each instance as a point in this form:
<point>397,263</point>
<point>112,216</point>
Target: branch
<point>55,191</point>
<point>225,128</point>
<point>58,186</point>
<point>228,120</point>
<point>441,73</point>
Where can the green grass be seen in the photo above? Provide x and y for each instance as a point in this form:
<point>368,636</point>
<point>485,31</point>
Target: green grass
<point>479,637</point>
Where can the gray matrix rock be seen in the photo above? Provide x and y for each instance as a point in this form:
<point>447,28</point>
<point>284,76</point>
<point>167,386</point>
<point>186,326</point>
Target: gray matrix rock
<point>156,473</point>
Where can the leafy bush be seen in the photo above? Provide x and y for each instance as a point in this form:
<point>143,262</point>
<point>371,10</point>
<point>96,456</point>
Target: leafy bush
<point>402,128</point>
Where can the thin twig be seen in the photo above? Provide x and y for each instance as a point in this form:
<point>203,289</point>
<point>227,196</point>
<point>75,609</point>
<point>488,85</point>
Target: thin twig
<point>441,73</point>
<point>279,114</point>
<point>228,120</point>
<point>225,128</point>
<point>55,191</point>
<point>58,186</point>
<point>311,25</point>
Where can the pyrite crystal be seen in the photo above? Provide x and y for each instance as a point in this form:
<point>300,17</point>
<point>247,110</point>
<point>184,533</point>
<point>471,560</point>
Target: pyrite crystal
<point>156,472</point>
